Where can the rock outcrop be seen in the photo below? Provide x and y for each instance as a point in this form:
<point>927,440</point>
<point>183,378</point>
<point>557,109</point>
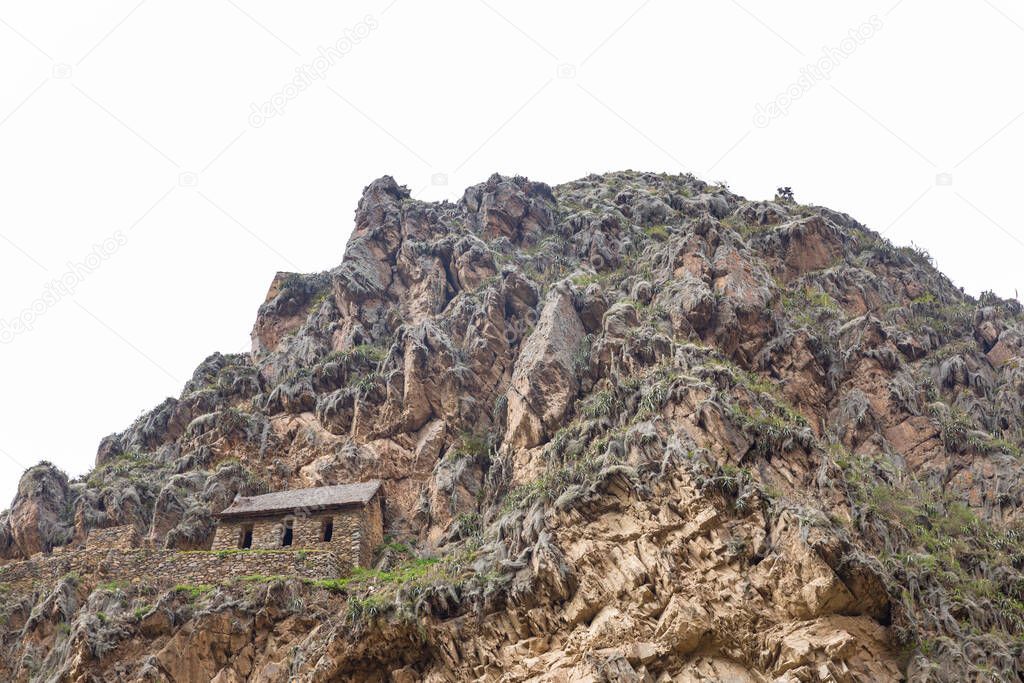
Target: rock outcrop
<point>544,384</point>
<point>630,428</point>
<point>38,519</point>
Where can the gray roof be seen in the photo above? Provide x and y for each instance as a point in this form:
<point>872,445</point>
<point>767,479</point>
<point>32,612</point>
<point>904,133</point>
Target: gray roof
<point>314,499</point>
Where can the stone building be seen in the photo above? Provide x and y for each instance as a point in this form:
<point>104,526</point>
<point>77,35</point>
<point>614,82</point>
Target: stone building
<point>346,519</point>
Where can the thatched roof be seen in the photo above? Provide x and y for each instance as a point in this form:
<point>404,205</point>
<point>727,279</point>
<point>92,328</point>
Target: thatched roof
<point>302,500</point>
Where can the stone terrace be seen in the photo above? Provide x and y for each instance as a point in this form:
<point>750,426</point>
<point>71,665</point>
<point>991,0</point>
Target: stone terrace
<point>167,568</point>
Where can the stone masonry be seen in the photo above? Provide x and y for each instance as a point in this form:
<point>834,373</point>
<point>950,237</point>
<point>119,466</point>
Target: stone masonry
<point>123,537</point>
<point>307,533</point>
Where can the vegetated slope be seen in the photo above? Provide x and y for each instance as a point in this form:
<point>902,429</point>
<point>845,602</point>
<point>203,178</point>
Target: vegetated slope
<point>633,427</point>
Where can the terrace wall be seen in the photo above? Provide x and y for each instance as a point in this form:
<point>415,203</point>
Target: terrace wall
<point>167,568</point>
<point>113,554</point>
<point>123,537</point>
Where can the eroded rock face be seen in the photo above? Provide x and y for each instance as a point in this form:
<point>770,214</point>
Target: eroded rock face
<point>630,428</point>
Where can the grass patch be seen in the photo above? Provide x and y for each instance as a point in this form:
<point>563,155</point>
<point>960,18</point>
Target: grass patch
<point>113,586</point>
<point>811,307</point>
<point>658,233</point>
<point>193,590</point>
<point>411,571</point>
<point>395,593</point>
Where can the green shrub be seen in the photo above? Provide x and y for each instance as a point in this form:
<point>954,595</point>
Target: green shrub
<point>468,446</point>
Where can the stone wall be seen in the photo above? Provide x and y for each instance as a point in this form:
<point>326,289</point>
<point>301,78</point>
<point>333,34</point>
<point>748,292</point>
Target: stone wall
<point>348,536</point>
<point>123,537</point>
<point>226,537</point>
<point>371,534</point>
<point>266,535</point>
<point>167,568</point>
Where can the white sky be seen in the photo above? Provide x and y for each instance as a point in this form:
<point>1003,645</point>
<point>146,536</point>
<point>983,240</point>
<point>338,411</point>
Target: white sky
<point>106,108</point>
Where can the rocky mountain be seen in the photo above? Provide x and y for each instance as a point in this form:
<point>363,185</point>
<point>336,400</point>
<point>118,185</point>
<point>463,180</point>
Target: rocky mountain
<point>630,428</point>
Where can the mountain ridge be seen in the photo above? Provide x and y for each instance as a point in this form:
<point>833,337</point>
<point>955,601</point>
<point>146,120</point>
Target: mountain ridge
<point>650,429</point>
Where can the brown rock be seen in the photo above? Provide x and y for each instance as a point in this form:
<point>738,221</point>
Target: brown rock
<point>544,381</point>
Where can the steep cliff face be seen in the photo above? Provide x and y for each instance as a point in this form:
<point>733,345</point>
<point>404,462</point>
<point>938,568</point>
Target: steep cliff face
<point>630,428</point>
